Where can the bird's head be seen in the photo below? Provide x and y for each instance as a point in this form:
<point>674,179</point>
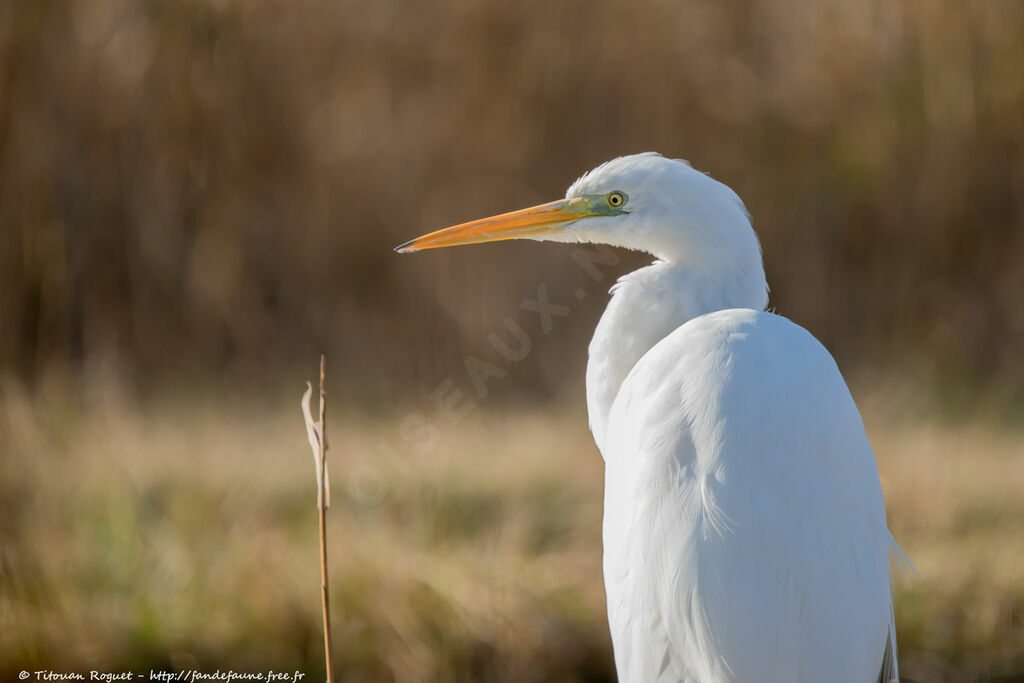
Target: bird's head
<point>643,201</point>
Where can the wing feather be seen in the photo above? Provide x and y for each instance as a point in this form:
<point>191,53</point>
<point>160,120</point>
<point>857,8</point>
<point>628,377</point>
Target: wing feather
<point>745,534</point>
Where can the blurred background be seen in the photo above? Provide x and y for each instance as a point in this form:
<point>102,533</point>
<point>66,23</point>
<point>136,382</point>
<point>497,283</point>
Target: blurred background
<point>197,198</point>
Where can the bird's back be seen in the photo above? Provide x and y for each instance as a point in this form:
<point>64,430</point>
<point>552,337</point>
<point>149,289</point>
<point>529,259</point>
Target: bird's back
<point>745,535</point>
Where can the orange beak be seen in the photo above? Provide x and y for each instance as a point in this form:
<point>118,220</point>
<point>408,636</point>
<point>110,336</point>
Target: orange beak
<point>535,221</point>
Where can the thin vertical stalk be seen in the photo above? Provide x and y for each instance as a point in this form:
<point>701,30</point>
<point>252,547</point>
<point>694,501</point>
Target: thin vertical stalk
<point>325,594</point>
<point>317,434</point>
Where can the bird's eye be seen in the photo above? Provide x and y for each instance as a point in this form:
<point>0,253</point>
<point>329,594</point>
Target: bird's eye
<point>616,199</point>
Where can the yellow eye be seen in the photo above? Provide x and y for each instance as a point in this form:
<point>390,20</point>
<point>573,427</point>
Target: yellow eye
<point>616,199</point>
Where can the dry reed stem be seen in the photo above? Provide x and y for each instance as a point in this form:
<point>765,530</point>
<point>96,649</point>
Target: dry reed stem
<point>317,435</point>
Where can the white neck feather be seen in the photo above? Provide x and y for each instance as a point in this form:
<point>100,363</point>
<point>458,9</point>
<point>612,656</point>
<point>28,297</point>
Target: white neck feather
<point>646,306</point>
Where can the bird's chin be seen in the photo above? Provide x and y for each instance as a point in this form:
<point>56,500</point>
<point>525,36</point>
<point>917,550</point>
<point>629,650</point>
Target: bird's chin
<point>567,236</point>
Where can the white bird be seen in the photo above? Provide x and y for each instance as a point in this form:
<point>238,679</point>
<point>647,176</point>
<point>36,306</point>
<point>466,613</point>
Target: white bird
<point>744,531</point>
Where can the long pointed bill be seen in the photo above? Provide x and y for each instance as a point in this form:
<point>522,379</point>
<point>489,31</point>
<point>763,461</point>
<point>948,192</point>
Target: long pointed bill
<point>535,221</point>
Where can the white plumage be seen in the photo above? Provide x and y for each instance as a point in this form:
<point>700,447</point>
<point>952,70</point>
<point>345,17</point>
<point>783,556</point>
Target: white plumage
<point>744,525</point>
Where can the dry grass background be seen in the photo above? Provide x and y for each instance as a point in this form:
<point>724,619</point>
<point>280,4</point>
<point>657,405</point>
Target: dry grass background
<point>201,192</point>
<point>185,537</point>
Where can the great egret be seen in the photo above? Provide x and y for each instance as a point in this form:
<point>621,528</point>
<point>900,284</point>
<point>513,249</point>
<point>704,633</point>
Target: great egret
<point>744,526</point>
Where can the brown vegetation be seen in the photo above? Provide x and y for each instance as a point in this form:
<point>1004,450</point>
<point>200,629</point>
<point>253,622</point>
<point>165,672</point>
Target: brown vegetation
<point>191,188</point>
<point>186,538</point>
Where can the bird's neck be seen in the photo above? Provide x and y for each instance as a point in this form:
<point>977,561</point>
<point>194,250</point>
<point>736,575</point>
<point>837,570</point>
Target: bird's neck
<point>649,304</point>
